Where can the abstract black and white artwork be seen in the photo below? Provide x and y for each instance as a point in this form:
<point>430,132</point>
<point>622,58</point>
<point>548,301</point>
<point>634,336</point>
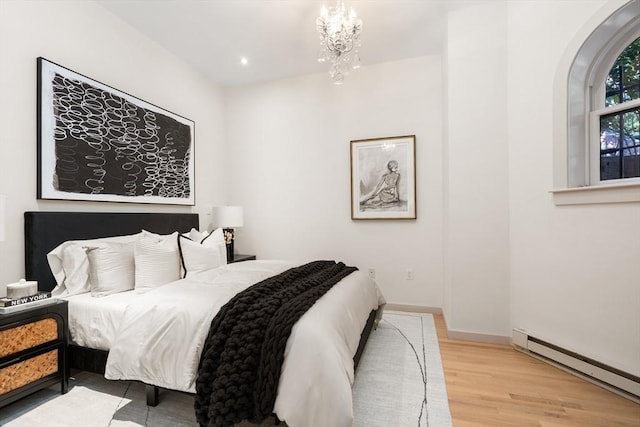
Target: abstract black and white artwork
<point>383,178</point>
<point>97,143</point>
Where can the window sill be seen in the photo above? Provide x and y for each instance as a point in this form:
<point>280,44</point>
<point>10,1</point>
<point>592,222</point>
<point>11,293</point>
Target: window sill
<point>614,193</point>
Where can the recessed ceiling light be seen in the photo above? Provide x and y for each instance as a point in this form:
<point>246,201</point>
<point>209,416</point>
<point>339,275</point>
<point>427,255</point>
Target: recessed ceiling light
<point>244,61</point>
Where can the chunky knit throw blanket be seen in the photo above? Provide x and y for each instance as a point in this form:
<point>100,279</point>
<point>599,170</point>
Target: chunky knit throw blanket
<point>242,356</point>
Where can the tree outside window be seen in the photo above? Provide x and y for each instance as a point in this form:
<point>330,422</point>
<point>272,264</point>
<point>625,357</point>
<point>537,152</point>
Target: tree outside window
<point>620,129</point>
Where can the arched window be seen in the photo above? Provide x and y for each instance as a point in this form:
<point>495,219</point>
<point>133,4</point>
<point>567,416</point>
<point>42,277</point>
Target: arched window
<point>615,120</point>
<point>599,160</point>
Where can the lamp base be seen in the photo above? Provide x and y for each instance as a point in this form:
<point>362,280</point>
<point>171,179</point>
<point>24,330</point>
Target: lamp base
<point>228,238</point>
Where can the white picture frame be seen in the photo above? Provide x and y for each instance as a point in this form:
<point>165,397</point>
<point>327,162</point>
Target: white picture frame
<point>96,143</point>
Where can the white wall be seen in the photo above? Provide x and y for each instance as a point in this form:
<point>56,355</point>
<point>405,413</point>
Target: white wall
<point>289,143</point>
<point>574,269</point>
<point>476,172</point>
<point>84,37</point>
<point>566,274</point>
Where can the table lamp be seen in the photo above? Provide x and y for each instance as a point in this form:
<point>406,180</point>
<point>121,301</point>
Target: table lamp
<point>228,218</point>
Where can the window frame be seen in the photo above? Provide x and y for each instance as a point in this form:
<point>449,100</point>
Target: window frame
<point>595,147</point>
<point>597,91</point>
<point>584,87</point>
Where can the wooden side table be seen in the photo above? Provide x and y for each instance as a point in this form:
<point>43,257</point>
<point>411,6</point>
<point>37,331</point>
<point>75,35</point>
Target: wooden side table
<point>242,257</point>
<point>33,350</point>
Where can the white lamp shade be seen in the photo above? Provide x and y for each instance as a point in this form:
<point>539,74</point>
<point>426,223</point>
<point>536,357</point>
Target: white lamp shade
<point>227,216</point>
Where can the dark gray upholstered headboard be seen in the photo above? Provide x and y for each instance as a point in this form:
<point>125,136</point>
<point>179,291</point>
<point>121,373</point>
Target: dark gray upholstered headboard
<point>44,231</point>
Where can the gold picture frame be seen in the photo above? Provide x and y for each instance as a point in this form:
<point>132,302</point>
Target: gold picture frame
<point>383,178</point>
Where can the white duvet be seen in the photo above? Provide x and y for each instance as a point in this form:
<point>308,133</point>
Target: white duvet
<point>161,336</point>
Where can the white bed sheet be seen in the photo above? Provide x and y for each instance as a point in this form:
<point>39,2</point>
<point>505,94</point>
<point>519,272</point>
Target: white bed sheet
<point>93,321</point>
<point>317,373</point>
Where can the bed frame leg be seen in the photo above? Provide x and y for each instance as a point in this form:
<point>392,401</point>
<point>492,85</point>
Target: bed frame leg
<point>152,394</point>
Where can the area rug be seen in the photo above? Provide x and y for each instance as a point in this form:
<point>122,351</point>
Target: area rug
<point>399,382</point>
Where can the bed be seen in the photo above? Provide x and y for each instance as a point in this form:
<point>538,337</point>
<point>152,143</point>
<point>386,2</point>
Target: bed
<point>309,392</point>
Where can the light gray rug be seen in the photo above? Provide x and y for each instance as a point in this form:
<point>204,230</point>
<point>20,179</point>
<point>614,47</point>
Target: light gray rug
<point>399,383</point>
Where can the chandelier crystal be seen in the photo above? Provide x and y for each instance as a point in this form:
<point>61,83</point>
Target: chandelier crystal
<point>339,40</point>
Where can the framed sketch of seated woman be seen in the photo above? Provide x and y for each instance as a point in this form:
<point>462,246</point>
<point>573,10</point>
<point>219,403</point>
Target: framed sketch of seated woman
<point>383,178</point>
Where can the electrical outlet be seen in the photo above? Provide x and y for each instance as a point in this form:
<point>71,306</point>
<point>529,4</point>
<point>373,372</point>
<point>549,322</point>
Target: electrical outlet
<point>372,273</point>
<point>409,274</point>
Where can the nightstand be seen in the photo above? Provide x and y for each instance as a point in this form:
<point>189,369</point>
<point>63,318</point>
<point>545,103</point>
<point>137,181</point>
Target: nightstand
<point>242,257</point>
<point>33,350</point>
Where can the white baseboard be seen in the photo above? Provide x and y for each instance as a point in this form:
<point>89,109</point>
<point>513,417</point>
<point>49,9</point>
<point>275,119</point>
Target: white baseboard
<point>613,379</point>
<point>483,338</point>
<point>451,334</point>
<point>413,308</point>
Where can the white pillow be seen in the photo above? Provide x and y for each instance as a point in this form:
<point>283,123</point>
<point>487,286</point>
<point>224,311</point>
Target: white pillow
<point>157,261</point>
<point>70,266</point>
<point>216,238</point>
<point>209,252</point>
<point>74,269</point>
<point>195,235</point>
<point>111,268</point>
<point>159,237</point>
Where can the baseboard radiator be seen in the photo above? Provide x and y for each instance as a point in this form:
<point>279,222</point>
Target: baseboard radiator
<point>613,379</point>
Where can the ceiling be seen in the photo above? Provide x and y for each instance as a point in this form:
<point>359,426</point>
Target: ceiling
<point>278,37</point>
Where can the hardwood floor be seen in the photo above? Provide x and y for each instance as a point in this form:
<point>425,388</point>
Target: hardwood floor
<point>495,385</point>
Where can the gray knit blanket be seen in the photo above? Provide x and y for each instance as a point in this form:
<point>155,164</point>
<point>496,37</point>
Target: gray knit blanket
<point>242,356</point>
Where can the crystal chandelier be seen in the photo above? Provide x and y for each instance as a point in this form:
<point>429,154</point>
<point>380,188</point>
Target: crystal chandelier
<point>339,40</point>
